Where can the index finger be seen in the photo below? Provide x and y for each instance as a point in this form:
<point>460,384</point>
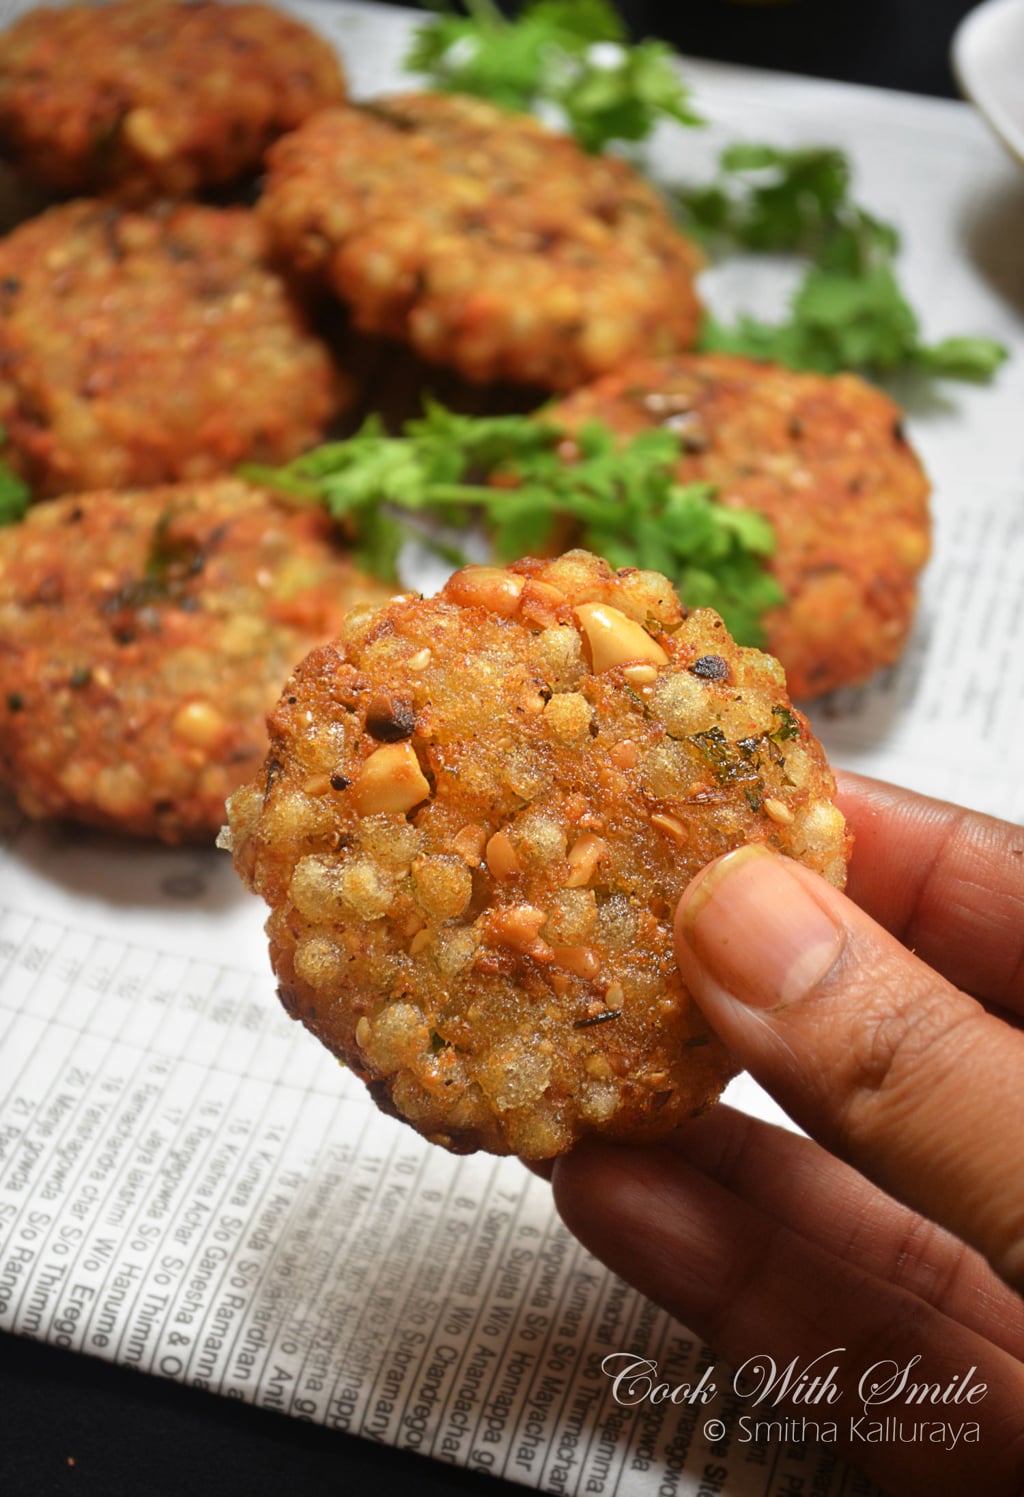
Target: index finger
<point>946,882</point>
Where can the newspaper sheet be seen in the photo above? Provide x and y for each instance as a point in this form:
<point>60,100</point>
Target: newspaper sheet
<point>190,1186</point>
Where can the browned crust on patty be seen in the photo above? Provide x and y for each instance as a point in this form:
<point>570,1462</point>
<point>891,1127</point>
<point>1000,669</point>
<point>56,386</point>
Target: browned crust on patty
<point>156,98</point>
<point>143,638</point>
<point>140,347</point>
<point>490,244</point>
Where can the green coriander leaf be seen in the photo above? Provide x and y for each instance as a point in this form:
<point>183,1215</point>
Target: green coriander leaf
<point>15,497</point>
<point>574,55</point>
<point>511,475</point>
<point>281,481</point>
<point>753,530</point>
<point>583,20</point>
<point>770,199</point>
<point>519,531</point>
<point>789,726</point>
<point>962,358</point>
<point>379,539</point>
<point>754,156</point>
<point>849,311</point>
<point>15,494</point>
<point>605,98</point>
<point>780,343</point>
<point>487,58</point>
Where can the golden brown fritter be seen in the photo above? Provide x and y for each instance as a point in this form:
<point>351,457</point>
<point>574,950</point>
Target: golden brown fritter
<point>143,638</point>
<point>476,817</point>
<point>156,98</point>
<point>143,347</point>
<point>825,459</point>
<point>490,244</point>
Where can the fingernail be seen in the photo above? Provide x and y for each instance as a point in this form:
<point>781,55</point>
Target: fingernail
<point>757,932</point>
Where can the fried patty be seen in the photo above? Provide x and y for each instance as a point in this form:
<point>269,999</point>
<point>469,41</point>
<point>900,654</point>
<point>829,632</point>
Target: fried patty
<point>492,245</point>
<point>825,459</point>
<point>156,98</point>
<point>142,347</point>
<point>475,820</point>
<point>143,638</point>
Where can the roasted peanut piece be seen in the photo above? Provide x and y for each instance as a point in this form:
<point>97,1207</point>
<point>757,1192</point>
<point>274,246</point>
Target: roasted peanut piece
<point>487,587</point>
<point>671,826</point>
<point>578,959</point>
<point>390,780</point>
<point>584,856</point>
<point>544,590</point>
<point>623,755</point>
<point>640,675</point>
<point>777,811</point>
<point>615,639</point>
<point>469,844</point>
<point>531,703</point>
<point>517,926</point>
<point>501,857</point>
<point>317,784</point>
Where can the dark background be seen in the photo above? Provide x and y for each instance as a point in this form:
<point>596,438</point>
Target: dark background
<point>893,43</point>
<point>71,1425</point>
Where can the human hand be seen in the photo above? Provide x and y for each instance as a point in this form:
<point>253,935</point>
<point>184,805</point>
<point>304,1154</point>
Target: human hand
<point>853,1011</point>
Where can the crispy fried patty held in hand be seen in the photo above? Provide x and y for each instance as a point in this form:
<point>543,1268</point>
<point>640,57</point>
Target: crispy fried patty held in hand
<point>143,638</point>
<point>143,347</point>
<point>475,820</point>
<point>825,459</point>
<point>490,244</point>
<point>156,98</point>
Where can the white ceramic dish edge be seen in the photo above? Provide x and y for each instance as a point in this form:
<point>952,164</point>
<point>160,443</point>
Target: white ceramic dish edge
<point>988,60</point>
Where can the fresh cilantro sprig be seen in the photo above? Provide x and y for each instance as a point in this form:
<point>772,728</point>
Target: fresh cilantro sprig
<point>516,476</point>
<point>849,311</point>
<point>15,497</point>
<point>572,54</point>
<point>15,494</point>
<point>781,201</point>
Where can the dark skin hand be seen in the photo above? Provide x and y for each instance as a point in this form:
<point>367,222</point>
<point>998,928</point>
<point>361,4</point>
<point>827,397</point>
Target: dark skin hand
<point>886,1022</point>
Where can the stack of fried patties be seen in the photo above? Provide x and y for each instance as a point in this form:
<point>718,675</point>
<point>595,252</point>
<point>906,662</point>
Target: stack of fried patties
<point>499,251</point>
<point>153,339</point>
<point>151,603</point>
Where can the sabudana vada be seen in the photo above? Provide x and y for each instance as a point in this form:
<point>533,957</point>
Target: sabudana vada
<point>141,347</point>
<point>488,243</point>
<point>473,825</point>
<point>143,638</point>
<point>156,98</point>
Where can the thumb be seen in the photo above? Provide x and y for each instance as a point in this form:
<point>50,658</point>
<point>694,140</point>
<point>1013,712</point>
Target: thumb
<point>874,1054</point>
